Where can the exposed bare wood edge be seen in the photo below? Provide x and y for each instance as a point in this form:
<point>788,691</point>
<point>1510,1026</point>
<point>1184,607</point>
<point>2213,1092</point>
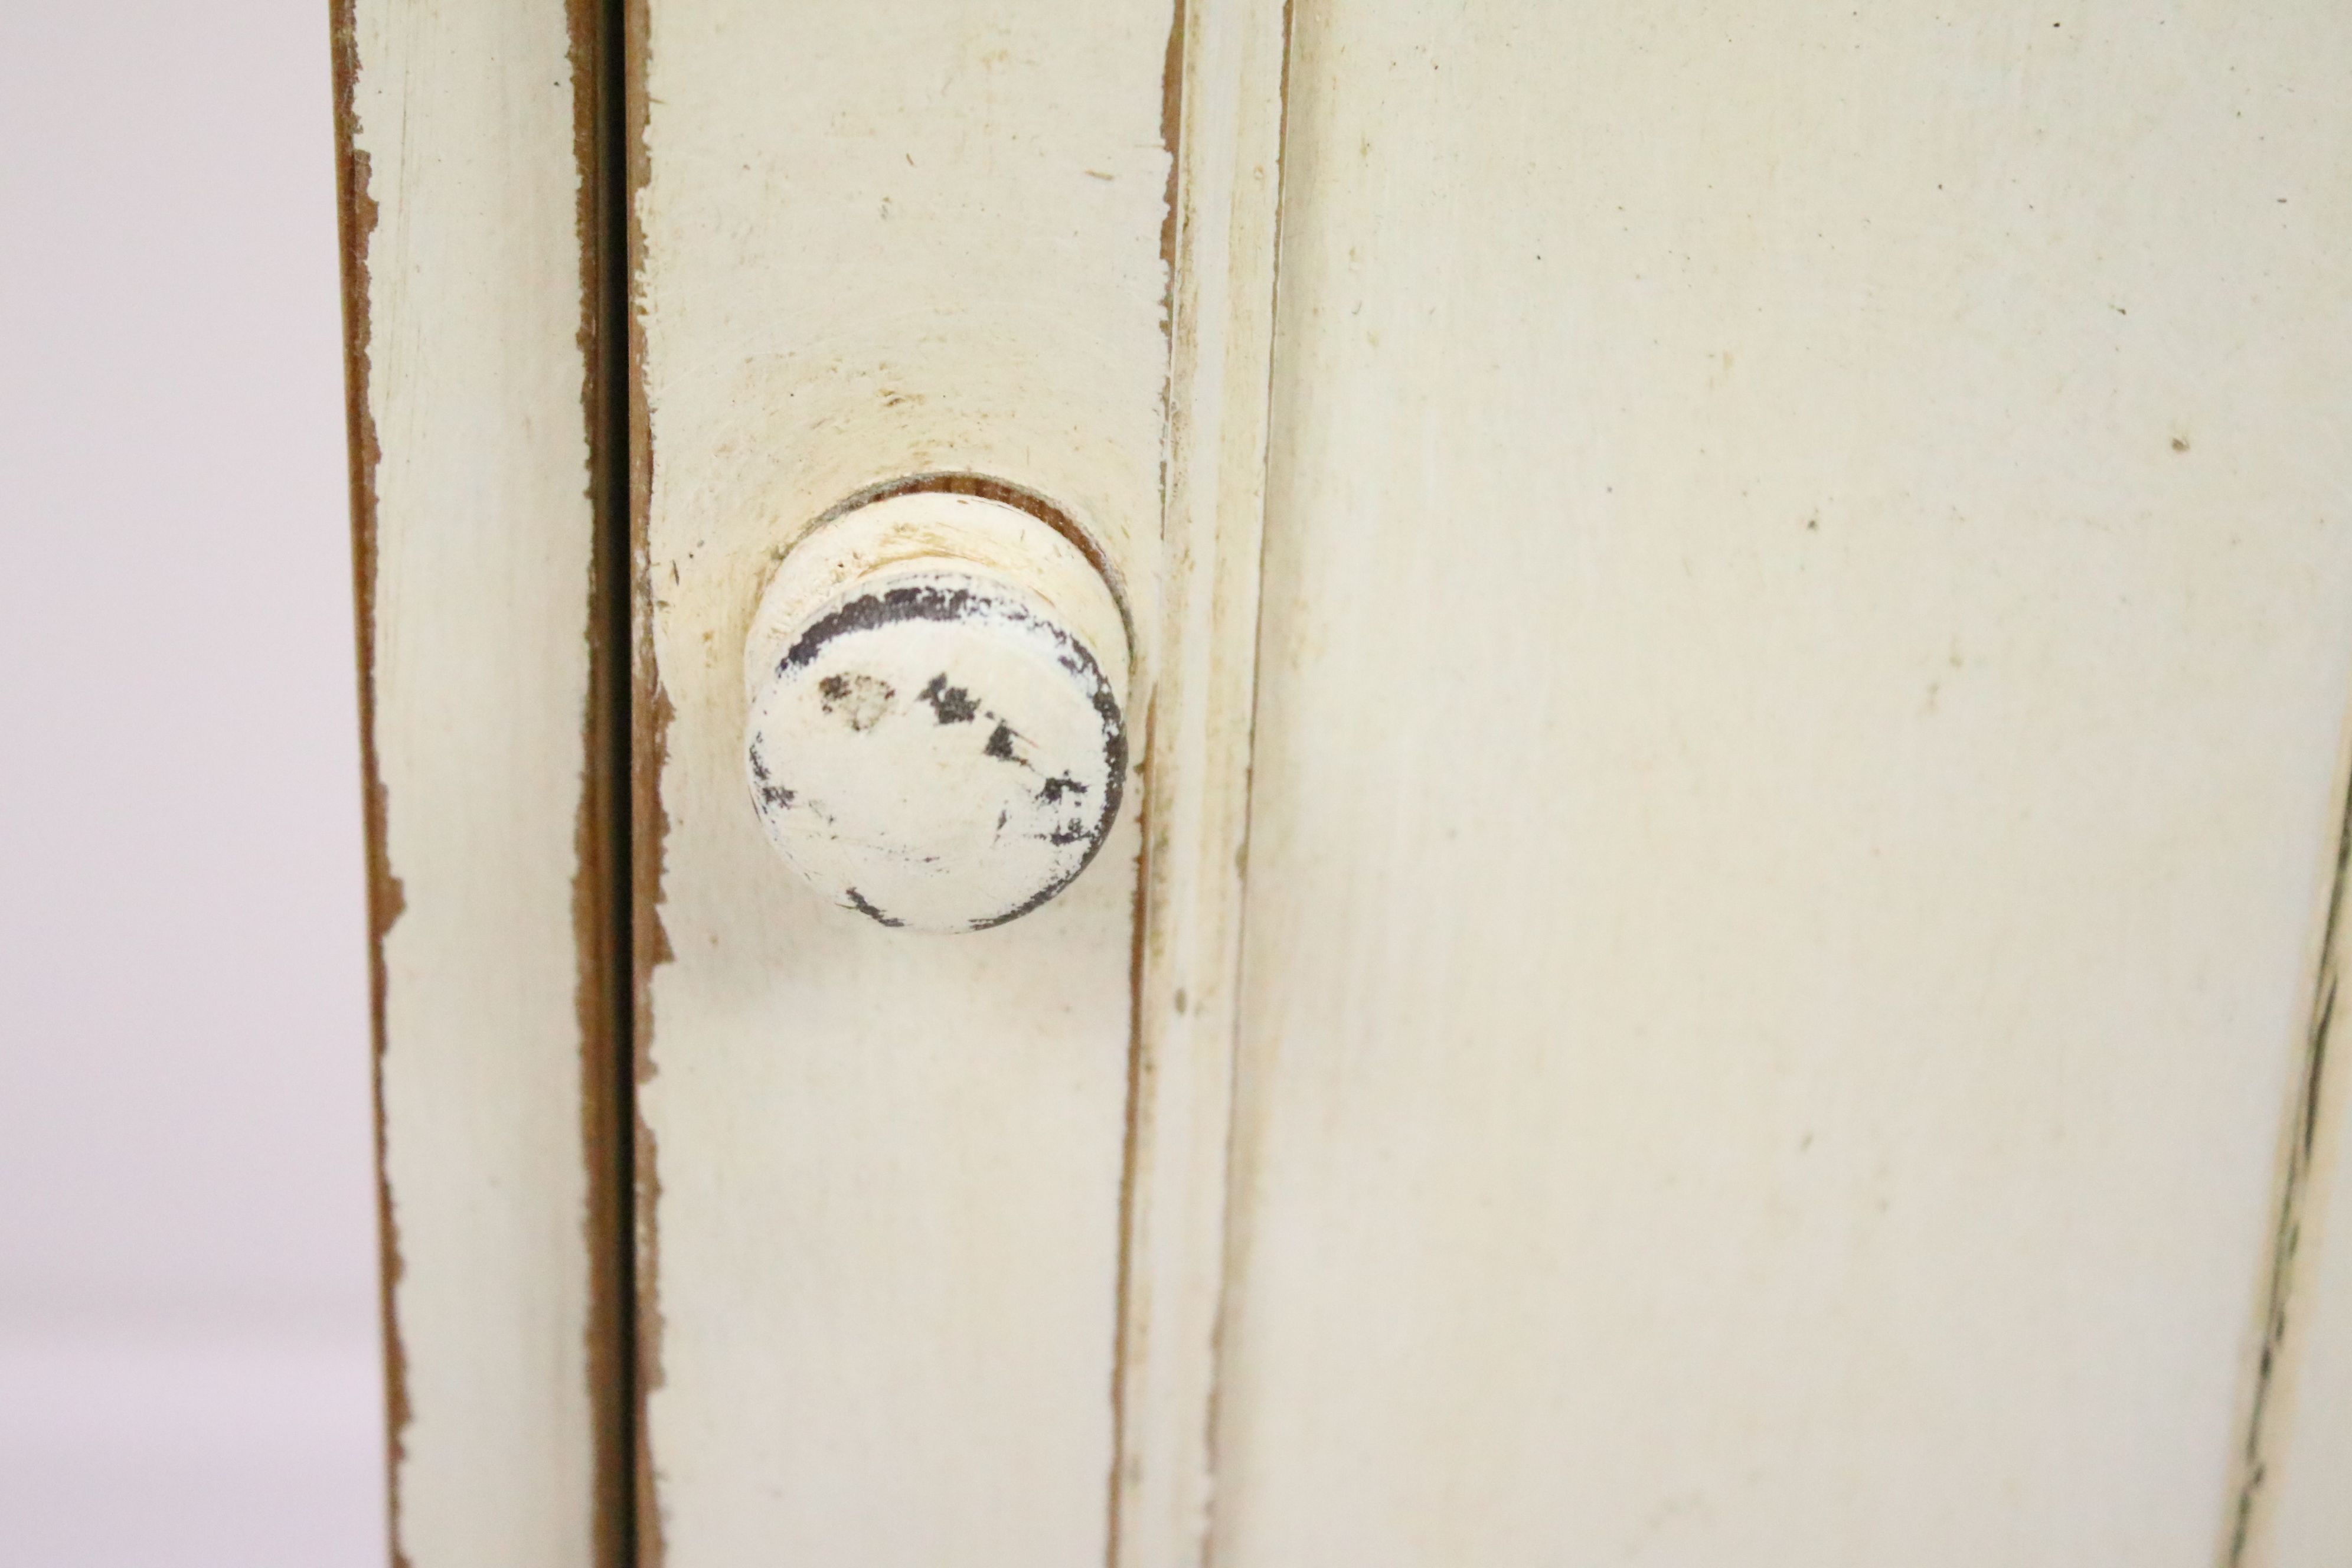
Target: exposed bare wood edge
<point>1129,1146</point>
<point>601,881</point>
<point>649,825</point>
<point>1171,119</point>
<point>1227,124</point>
<point>355,220</point>
<point>2317,1107</point>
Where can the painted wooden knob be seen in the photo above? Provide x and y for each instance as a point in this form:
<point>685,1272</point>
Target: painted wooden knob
<point>936,736</point>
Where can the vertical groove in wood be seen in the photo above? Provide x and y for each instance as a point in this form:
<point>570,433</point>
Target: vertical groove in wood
<point>602,887</point>
<point>1223,258</point>
<point>2284,1331</point>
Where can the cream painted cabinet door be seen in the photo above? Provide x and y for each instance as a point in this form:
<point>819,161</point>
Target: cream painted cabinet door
<point>1799,791</point>
<point>1712,870</point>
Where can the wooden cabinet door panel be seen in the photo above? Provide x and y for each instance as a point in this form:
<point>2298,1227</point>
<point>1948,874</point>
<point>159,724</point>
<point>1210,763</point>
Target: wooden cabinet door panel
<point>1797,768</point>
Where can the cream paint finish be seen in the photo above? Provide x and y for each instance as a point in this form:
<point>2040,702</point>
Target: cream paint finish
<point>465,115</point>
<point>881,1178</point>
<point>1807,615</point>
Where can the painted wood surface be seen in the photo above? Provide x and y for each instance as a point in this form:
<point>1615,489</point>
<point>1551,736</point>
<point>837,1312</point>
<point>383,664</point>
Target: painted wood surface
<point>1807,612</point>
<point>470,316</point>
<point>880,1172</point>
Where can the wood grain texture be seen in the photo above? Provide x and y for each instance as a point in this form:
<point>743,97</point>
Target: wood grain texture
<point>1808,621</point>
<point>880,1172</point>
<point>471,306</point>
<point>1227,193</point>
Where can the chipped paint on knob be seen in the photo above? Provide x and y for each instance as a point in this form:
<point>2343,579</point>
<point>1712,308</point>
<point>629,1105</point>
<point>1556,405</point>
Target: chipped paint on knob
<point>936,737</point>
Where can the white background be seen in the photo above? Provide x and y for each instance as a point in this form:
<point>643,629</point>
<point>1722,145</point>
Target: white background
<point>188,1363</point>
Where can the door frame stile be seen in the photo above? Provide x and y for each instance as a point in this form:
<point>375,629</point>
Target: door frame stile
<point>492,642</point>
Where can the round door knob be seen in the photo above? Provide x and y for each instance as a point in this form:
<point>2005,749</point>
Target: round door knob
<point>936,736</point>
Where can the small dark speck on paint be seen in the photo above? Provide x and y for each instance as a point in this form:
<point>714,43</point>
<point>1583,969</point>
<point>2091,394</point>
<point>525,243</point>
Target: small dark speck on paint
<point>2180,443</point>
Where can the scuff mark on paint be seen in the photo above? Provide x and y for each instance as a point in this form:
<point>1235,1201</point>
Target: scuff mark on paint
<point>862,700</point>
<point>951,704</point>
<point>858,902</point>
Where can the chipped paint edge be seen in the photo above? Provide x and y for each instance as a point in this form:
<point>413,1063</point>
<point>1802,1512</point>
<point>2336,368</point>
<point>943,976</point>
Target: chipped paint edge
<point>649,719</point>
<point>355,223</point>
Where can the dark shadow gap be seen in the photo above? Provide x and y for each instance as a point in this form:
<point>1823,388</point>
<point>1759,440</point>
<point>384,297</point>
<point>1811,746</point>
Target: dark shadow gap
<point>601,73</point>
